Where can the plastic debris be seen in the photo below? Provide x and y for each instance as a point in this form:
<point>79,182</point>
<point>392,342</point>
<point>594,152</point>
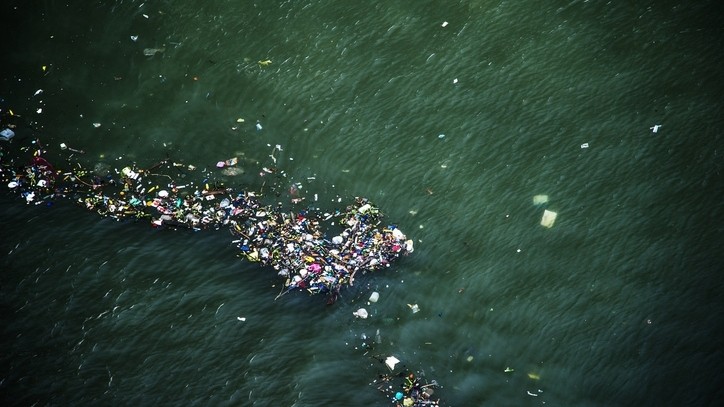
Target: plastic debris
<point>391,361</point>
<point>549,217</point>
<point>509,370</point>
<point>37,92</point>
<point>533,376</point>
<point>374,296</point>
<point>584,145</point>
<point>134,38</point>
<point>413,391</point>
<point>540,200</point>
<point>96,125</point>
<point>242,319</point>
<point>149,52</point>
<point>6,134</point>
<point>293,244</point>
<point>258,126</point>
<point>655,128</point>
<point>444,24</point>
<point>415,309</point>
<point>361,313</point>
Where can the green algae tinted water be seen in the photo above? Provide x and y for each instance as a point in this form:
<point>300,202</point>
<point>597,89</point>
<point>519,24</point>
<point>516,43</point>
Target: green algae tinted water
<point>451,116</point>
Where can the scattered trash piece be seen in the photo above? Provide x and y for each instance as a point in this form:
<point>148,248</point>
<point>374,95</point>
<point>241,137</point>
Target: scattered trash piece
<point>415,309</point>
<point>12,184</point>
<point>6,134</point>
<point>242,319</point>
<point>469,358</point>
<point>656,128</point>
<point>509,370</point>
<point>540,200</point>
<point>584,145</point>
<point>264,63</point>
<point>549,217</point>
<point>532,394</point>
<point>37,92</point>
<point>96,125</point>
<point>145,15</point>
<point>360,313</point>
<point>455,80</point>
<point>240,120</point>
<point>444,24</point>
<point>391,361</point>
<point>440,136</point>
<point>533,376</point>
<point>374,296</point>
<point>134,38</point>
<point>40,110</point>
<point>149,52</point>
<point>258,126</point>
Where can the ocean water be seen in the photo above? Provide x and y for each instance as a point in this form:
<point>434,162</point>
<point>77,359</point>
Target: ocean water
<point>450,116</point>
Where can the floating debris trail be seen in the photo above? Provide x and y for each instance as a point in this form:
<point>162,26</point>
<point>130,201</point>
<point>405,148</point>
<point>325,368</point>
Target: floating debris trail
<point>292,243</point>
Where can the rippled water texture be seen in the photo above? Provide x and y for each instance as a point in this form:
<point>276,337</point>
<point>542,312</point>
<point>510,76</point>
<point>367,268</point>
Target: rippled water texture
<point>451,130</point>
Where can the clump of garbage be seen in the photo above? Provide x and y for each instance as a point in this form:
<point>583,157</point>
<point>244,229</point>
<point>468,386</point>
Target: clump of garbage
<point>292,243</point>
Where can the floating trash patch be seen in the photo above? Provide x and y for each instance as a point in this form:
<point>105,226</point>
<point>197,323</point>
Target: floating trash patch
<point>292,243</point>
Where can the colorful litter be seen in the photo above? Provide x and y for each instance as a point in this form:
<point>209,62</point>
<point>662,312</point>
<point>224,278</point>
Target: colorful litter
<point>291,243</point>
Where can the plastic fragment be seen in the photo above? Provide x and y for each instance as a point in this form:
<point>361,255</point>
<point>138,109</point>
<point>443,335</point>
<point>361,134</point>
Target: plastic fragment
<point>391,361</point>
<point>6,134</point>
<point>549,217</point>
<point>361,313</point>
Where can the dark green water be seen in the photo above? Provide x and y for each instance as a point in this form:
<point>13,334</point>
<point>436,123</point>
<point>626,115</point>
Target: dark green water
<point>619,303</point>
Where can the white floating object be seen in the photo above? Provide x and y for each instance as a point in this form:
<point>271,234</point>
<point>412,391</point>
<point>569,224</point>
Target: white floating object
<point>549,217</point>
<point>410,245</point>
<point>584,145</point>
<point>163,193</point>
<point>134,38</point>
<point>440,136</point>
<point>455,80</point>
<point>242,319</point>
<point>374,296</point>
<point>145,15</point>
<point>540,199</point>
<point>444,24</point>
<point>96,125</point>
<point>391,361</point>
<point>655,128</point>
<point>37,92</point>
<point>12,184</point>
<point>361,313</point>
<point>258,126</point>
<point>415,309</point>
<point>40,110</point>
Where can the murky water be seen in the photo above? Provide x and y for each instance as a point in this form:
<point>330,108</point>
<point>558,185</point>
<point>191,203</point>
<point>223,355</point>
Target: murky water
<point>450,130</point>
